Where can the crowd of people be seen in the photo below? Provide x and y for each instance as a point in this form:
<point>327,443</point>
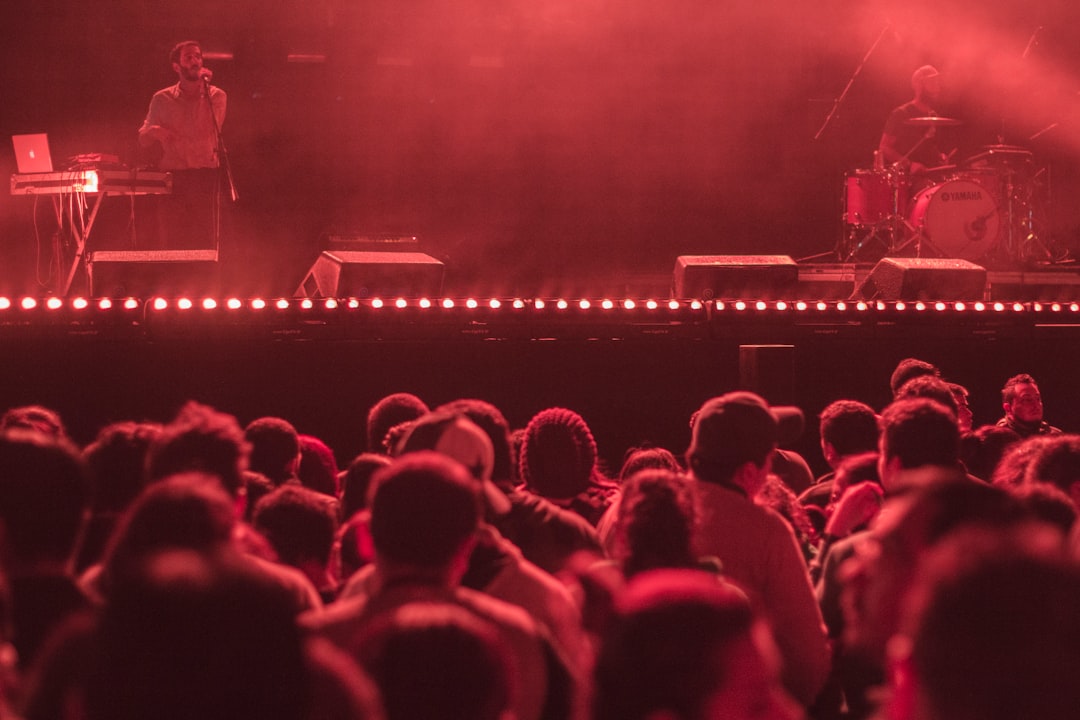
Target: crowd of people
<point>462,568</point>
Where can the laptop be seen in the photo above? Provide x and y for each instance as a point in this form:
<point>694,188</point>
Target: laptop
<point>32,153</point>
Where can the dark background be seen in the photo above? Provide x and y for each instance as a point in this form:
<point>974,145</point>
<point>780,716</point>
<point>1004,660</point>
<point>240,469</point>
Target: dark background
<point>535,145</point>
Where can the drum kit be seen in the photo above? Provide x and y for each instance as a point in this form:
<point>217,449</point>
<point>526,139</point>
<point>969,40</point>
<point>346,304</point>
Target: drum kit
<point>983,210</point>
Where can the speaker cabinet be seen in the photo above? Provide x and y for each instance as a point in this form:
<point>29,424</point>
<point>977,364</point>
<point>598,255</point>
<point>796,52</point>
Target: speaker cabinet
<point>923,279</point>
<point>770,277</point>
<point>146,273</point>
<point>340,273</point>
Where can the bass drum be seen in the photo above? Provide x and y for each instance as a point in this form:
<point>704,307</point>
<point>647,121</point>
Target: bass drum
<point>959,218</point>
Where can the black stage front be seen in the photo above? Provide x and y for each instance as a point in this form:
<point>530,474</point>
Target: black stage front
<point>636,372</point>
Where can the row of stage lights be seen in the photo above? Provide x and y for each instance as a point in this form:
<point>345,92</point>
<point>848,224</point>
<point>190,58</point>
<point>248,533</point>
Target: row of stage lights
<point>160,304</point>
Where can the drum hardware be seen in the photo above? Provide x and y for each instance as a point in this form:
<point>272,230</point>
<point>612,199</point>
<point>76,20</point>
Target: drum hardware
<point>933,121</point>
<point>874,205</point>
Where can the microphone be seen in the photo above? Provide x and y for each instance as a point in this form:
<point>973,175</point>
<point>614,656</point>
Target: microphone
<point>205,74</point>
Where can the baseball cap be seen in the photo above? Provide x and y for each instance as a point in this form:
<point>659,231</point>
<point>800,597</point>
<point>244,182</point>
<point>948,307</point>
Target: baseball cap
<point>459,438</point>
<point>740,426</point>
<point>922,74</point>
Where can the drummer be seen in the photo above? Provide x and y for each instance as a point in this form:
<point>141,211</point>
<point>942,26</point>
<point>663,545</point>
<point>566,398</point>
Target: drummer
<point>914,147</point>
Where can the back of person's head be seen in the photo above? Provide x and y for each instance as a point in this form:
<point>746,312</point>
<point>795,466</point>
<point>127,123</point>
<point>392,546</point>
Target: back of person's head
<point>1048,504</point>
<point>919,432</point>
<point>908,369</point>
<point>300,524</point>
<point>425,509</point>
<point>931,387</point>
<point>849,426</point>
<point>1008,390</point>
<point>491,420</point>
<point>34,417</point>
<point>647,458</point>
<point>318,469</point>
<point>982,449</point>
<point>190,511</point>
<point>355,482</point>
<point>355,549</point>
<point>1011,469</point>
<point>1057,462</point>
<point>275,448</point>
<point>558,454</point>
<point>186,635</point>
<point>116,463</point>
<point>453,435</point>
<point>992,635</point>
<point>390,411</point>
<point>43,496</point>
<point>680,641</point>
<point>460,662</point>
<point>200,439</point>
<point>732,430</point>
<point>656,522</point>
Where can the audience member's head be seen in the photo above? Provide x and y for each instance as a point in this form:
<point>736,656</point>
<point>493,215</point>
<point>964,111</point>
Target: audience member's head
<point>275,448</point>
<point>43,497</point>
<point>190,635</point>
<point>390,411</point>
<point>491,420</point>
<point>656,522</point>
<point>438,661</point>
<point>1022,401</point>
<point>1057,462</point>
<point>916,433</point>
<point>992,634</point>
<point>732,438</point>
<point>354,546</point>
<point>908,369</point>
<point>687,646</point>
<point>964,417</point>
<point>930,387</point>
<point>355,481</point>
<point>647,458</point>
<point>558,454</point>
<point>1012,468</point>
<point>300,524</point>
<point>847,427</point>
<point>885,563</point>
<point>318,469</point>
<point>425,510</point>
<point>1048,504</point>
<point>459,438</point>
<point>34,417</point>
<point>189,511</point>
<point>200,439</point>
<point>982,449</point>
<point>116,464</point>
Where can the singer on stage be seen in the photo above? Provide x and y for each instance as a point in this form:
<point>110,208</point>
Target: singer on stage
<point>181,135</point>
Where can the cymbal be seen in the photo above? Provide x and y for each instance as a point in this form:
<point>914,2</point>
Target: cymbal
<point>1005,149</point>
<point>932,121</point>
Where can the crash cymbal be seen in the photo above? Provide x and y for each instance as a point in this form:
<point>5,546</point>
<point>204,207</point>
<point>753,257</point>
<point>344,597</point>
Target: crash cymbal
<point>932,121</point>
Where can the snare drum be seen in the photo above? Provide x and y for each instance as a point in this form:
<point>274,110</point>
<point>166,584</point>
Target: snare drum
<point>958,217</point>
<point>868,197</point>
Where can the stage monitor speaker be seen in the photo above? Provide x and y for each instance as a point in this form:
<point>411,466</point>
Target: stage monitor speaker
<point>146,273</point>
<point>770,277</point>
<point>923,279</point>
<point>370,274</point>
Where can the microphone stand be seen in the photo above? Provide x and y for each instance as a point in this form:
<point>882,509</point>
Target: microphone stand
<point>851,81</point>
<point>223,153</point>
